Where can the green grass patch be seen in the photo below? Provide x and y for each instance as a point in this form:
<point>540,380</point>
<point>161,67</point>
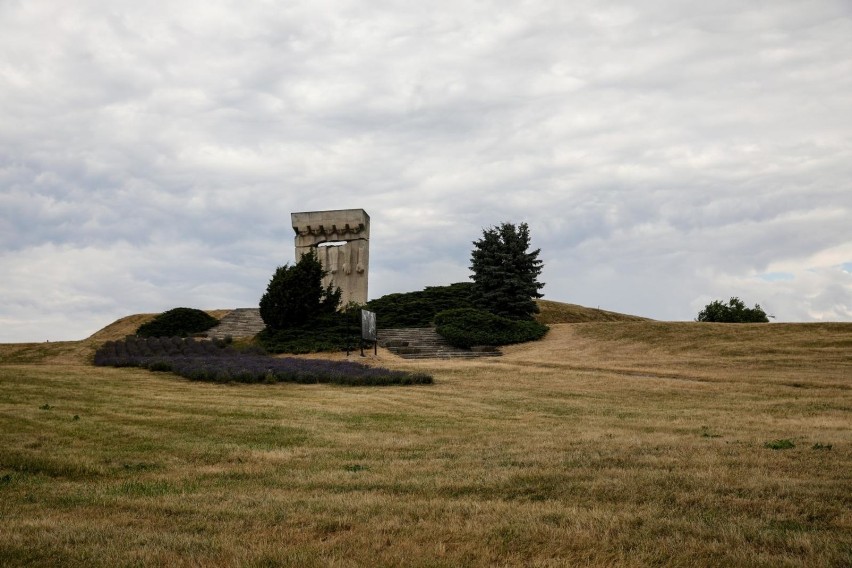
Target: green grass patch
<point>783,444</point>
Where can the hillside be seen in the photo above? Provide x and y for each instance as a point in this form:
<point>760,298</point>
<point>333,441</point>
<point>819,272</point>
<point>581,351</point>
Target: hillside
<point>129,324</point>
<point>77,352</point>
<point>620,443</point>
<point>696,351</point>
<point>560,312</point>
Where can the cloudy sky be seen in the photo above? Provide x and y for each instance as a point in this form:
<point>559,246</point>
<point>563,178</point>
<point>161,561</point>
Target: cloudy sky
<point>664,153</point>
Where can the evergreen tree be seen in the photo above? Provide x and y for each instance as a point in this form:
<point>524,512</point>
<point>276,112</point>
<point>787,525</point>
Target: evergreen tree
<point>295,294</point>
<point>505,275</point>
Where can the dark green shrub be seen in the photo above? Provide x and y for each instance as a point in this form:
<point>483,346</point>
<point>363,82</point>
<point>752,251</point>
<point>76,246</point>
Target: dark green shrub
<point>295,294</point>
<point>783,444</point>
<point>179,322</point>
<point>735,311</point>
<point>418,309</point>
<point>466,327</point>
<point>326,332</point>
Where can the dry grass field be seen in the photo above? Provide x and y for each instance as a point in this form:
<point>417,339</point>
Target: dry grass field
<point>630,443</point>
<point>560,312</point>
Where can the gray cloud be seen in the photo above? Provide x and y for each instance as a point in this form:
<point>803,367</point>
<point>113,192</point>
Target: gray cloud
<point>664,155</point>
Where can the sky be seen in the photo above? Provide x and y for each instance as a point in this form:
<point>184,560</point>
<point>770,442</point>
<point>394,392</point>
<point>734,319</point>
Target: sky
<point>663,153</point>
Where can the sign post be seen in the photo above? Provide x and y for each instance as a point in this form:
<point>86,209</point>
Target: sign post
<point>368,330</point>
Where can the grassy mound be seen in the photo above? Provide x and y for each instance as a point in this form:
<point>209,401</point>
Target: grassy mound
<point>128,325</point>
<point>560,312</point>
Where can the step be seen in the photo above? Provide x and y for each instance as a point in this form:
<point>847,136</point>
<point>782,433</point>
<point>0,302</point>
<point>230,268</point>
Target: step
<point>425,343</point>
<point>241,322</point>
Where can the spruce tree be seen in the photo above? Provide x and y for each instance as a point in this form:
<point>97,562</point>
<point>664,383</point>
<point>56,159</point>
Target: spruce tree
<point>295,294</point>
<point>505,274</point>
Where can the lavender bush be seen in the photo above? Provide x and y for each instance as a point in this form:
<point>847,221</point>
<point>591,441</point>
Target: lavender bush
<point>217,362</point>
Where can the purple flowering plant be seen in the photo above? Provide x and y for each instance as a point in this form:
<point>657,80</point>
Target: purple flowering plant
<point>215,361</point>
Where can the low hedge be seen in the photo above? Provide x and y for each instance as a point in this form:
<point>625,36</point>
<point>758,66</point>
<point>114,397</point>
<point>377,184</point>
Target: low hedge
<point>327,332</point>
<point>418,309</point>
<point>180,322</point>
<point>466,327</point>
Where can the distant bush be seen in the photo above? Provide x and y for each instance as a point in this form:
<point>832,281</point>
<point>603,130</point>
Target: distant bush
<point>466,327</point>
<point>179,322</point>
<point>219,362</point>
<point>418,309</point>
<point>735,311</point>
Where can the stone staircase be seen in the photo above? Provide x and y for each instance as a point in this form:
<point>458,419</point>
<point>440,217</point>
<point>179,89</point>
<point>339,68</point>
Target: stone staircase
<point>241,322</point>
<point>425,343</point>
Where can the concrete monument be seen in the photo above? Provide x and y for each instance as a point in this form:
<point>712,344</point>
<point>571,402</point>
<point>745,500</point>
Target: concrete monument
<point>341,239</point>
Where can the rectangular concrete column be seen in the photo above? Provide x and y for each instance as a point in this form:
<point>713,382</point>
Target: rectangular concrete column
<point>341,239</point>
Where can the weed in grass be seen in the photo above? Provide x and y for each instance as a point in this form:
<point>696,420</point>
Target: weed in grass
<point>356,467</point>
<point>51,465</point>
<point>706,433</point>
<point>331,526</point>
<point>45,406</point>
<point>145,489</point>
<point>139,466</point>
<point>76,417</point>
<point>554,519</point>
<point>272,437</point>
<point>783,444</point>
<point>819,446</point>
<point>786,525</point>
<point>155,488</point>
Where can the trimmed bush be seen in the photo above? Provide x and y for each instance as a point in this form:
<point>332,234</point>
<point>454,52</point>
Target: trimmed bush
<point>179,322</point>
<point>466,327</point>
<point>418,309</point>
<point>326,332</point>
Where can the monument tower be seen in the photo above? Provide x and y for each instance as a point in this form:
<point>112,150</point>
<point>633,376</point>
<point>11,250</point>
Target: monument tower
<point>341,239</point>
